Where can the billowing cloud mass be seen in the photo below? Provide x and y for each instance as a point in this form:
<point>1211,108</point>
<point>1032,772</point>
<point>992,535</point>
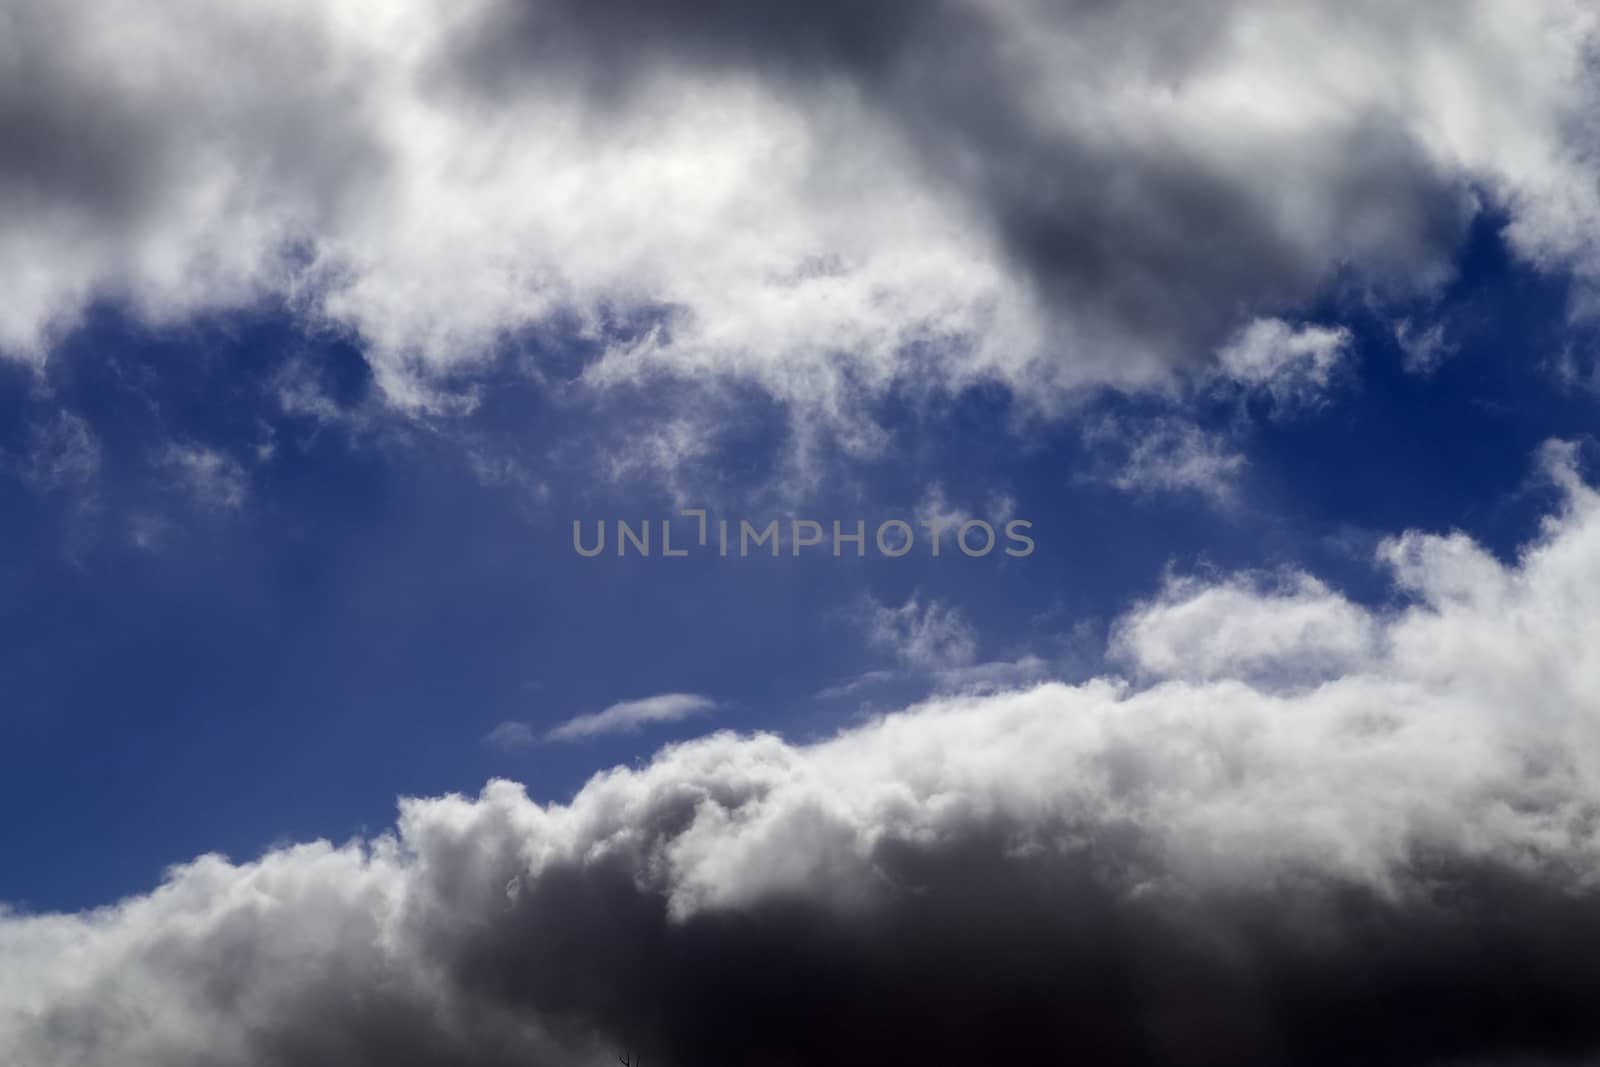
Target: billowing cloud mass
<point>1392,863</point>
<point>1241,628</point>
<point>820,198</point>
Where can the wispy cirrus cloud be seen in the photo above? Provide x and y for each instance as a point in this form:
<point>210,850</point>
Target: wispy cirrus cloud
<point>511,737</point>
<point>1423,348</point>
<point>1163,454</point>
<point>628,716</point>
<point>212,478</point>
<point>1291,365</point>
<point>62,451</point>
<point>922,633</point>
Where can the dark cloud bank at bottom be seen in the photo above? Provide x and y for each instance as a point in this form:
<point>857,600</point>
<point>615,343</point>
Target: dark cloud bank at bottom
<point>968,953</point>
<point>984,958</point>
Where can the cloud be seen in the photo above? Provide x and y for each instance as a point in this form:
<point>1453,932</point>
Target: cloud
<point>1293,366</point>
<point>1576,369</point>
<point>928,636</point>
<point>675,453</point>
<point>935,508</point>
<point>1393,866</point>
<point>1294,629</point>
<point>996,675</point>
<point>214,479</point>
<point>1163,454</point>
<point>61,452</point>
<point>1423,350</point>
<point>628,716</point>
<point>511,736</point>
<point>148,532</point>
<point>822,199</point>
<point>852,686</point>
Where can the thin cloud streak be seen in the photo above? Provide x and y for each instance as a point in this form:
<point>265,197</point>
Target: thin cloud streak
<point>629,716</point>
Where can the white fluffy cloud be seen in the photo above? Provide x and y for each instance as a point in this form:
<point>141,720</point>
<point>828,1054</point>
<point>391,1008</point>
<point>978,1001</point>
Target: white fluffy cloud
<point>1431,798</point>
<point>819,198</point>
<point>1294,629</point>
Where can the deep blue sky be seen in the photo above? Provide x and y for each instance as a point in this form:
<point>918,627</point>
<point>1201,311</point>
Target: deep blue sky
<point>349,632</point>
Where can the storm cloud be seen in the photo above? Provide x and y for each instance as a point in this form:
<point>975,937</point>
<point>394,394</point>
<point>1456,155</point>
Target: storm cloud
<point>821,198</point>
<point>1389,859</point>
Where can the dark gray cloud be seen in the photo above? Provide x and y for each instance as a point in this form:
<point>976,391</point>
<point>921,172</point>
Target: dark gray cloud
<point>611,42</point>
<point>1158,240</point>
<point>175,161</point>
<point>979,955</point>
<point>969,950</point>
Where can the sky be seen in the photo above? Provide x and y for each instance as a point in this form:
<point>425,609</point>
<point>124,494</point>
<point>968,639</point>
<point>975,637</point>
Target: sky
<point>1262,339</point>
